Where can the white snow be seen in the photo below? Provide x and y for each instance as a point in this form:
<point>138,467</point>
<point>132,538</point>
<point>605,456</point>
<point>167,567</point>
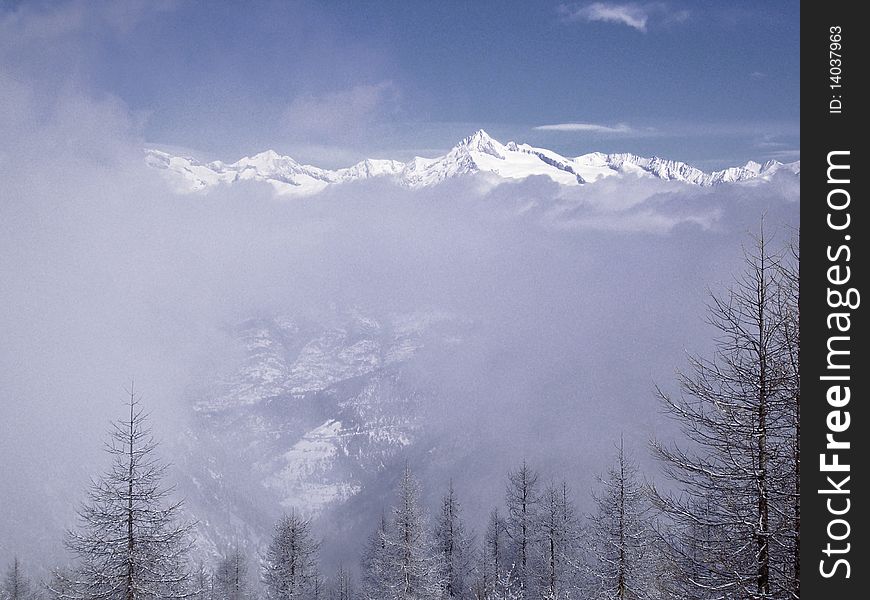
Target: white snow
<point>306,481</point>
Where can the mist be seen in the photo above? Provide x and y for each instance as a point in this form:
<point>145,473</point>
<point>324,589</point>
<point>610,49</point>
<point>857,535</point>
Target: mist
<point>574,302</point>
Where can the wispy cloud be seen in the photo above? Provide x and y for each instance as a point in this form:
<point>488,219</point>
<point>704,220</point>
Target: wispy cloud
<point>341,113</point>
<point>619,128</point>
<point>784,155</point>
<point>634,15</point>
<point>774,147</point>
<point>771,145</point>
<point>29,23</point>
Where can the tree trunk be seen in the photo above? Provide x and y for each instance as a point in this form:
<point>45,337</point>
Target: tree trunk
<point>131,595</point>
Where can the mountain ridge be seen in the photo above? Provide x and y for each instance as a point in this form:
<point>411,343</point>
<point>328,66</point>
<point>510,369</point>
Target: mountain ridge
<point>314,413</point>
<point>478,153</point>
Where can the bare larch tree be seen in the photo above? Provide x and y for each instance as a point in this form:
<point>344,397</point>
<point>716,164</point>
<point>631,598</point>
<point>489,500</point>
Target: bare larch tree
<point>738,471</point>
<point>454,545</point>
<point>623,564</point>
<point>522,499</point>
<point>131,543</point>
<point>230,579</point>
<point>290,569</point>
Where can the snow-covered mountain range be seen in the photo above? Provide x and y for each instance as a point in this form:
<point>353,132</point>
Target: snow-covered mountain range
<point>476,154</point>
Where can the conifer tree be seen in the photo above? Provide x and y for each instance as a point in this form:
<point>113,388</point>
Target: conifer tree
<point>230,580</point>
<point>558,544</point>
<point>454,545</point>
<point>522,500</point>
<point>738,505</point>
<point>342,587</point>
<point>290,570</point>
<point>788,346</point>
<point>375,563</point>
<point>16,585</point>
<point>622,534</point>
<point>131,543</point>
<point>401,562</point>
<point>492,568</point>
<point>415,567</point>
<point>203,583</point>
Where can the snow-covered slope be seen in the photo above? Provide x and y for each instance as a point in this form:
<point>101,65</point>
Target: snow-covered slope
<point>314,413</point>
<point>478,153</point>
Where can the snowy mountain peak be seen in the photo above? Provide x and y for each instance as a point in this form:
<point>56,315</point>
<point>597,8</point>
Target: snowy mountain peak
<point>268,156</point>
<point>752,166</point>
<point>371,168</point>
<point>480,141</point>
<point>268,162</point>
<point>478,153</point>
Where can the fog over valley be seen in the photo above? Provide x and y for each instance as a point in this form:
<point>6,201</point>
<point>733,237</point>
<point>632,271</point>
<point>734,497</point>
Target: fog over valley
<point>298,352</point>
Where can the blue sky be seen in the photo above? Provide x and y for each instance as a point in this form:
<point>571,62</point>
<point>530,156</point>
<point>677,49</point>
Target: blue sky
<point>711,83</point>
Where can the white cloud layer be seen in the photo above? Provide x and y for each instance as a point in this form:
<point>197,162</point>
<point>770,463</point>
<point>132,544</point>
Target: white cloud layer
<point>619,128</point>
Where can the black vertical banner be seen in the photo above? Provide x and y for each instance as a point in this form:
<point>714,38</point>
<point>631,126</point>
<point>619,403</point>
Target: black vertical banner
<point>835,371</point>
